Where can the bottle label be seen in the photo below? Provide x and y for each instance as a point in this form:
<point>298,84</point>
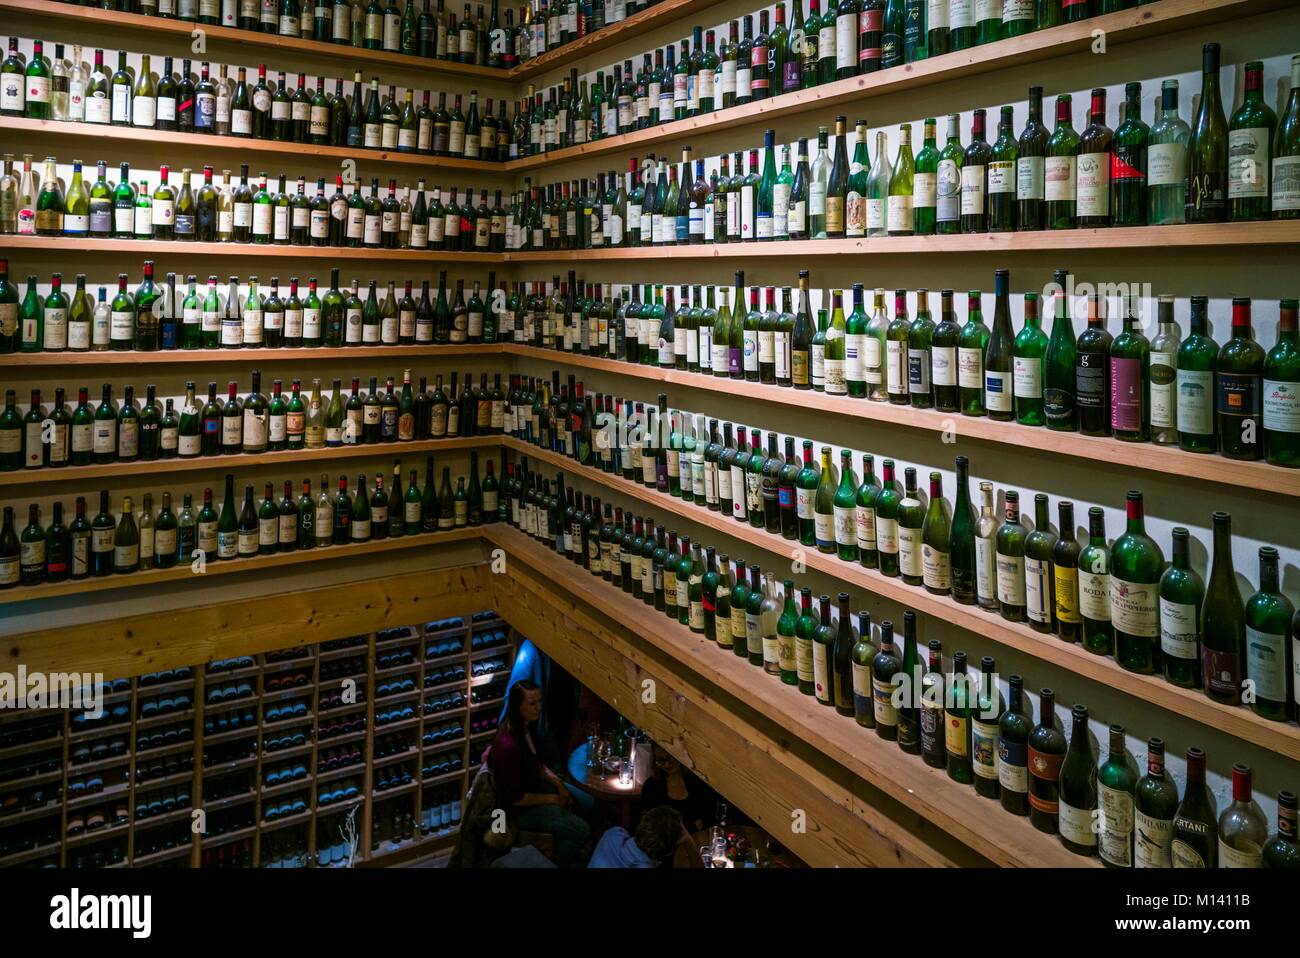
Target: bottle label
<point>985,568</point>
<point>1266,664</point>
<point>1013,765</point>
<point>1248,157</point>
<point>1011,579</point>
<point>821,672</point>
<point>1125,394</point>
<point>900,214</point>
<point>1002,177</point>
<point>1286,182</point>
<point>846,521</point>
<point>866,528</point>
<point>887,535</point>
<point>1046,767</point>
<point>1030,178</point>
<point>882,695</point>
<point>923,191</point>
<point>1281,401</point>
<point>1134,607</point>
<point>1037,595</point>
<point>1116,837</point>
<point>1178,629</point>
<point>948,187</point>
<point>1075,824</point>
<point>997,398</point>
<point>803,659</point>
<point>1166,164</point>
<point>1027,377</point>
<point>956,735</point>
<point>909,551</point>
<point>1152,840</point>
<point>972,190</point>
<point>1161,378</point>
<point>1252,856</point>
<point>970,368</point>
<point>862,699</point>
<point>984,749</point>
<point>937,568</point>
<point>1194,405</point>
<point>1059,179</point>
<point>1093,184</point>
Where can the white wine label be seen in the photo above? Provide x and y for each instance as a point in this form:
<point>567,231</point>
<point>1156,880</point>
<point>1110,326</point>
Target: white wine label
<point>1178,630</point>
<point>1092,187</point>
<point>821,672</point>
<point>1076,825</point>
<point>970,368</point>
<point>1029,178</point>
<point>955,735</point>
<point>1248,166</point>
<point>1013,776</point>
<point>825,527</point>
<point>985,568</point>
<point>909,552</point>
<point>972,190</point>
<point>1194,405</point>
<point>1252,856</point>
<point>1153,838</point>
<point>1116,839</point>
<point>1134,607</point>
<point>1002,176</point>
<point>1166,164</point>
<point>1027,377</point>
<point>1281,406</point>
<point>943,365</point>
<point>1266,664</point>
<point>997,397</point>
<point>1011,579</point>
<point>937,568</point>
<point>1094,595</point>
<point>866,528</point>
<point>846,533</point>
<point>804,498</point>
<point>1286,179</point>
<point>882,694</point>
<point>1059,177</point>
<point>923,190</point>
<point>887,538</point>
<point>1038,583</point>
<point>1162,377</point>
<point>803,659</point>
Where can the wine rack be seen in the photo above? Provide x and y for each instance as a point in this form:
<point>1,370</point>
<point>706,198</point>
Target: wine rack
<point>274,749</point>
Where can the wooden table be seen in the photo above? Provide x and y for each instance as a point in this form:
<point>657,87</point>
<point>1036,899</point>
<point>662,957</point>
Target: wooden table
<point>603,786</point>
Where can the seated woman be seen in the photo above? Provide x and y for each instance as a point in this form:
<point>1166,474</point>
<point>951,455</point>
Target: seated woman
<point>675,785</point>
<point>658,834</point>
<point>538,800</point>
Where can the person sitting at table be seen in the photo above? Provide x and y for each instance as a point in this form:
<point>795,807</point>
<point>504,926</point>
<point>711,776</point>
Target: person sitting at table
<point>657,836</point>
<point>539,800</point>
<point>675,785</point>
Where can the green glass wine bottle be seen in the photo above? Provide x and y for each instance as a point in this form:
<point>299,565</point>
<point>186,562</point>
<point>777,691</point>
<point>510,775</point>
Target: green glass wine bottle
<point>865,514</point>
<point>863,654</point>
<point>1078,789</point>
<point>1268,623</point>
<point>1281,399</point>
<point>961,539</point>
<point>1136,564</point>
<point>936,540</point>
<point>1060,360</point>
<point>1028,354</point>
<point>1014,727</point>
<point>1116,784</point>
<point>1010,545</point>
<point>1250,147</point>
<point>972,342</point>
<point>845,506</point>
<point>1040,592</point>
<point>1207,150</point>
<point>1182,592</point>
<point>999,359</point>
<point>887,504</point>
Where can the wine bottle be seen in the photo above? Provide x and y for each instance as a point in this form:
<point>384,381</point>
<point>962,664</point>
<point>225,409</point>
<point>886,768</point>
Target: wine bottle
<point>1078,789</point>
<point>1014,727</point>
<point>1223,621</point>
<point>884,666</point>
<point>1116,787</point>
<point>1195,833</point>
<point>1182,592</point>
<point>1136,566</point>
<point>1242,828</point>
<point>1047,747</point>
<point>1283,850</point>
<point>1155,805</point>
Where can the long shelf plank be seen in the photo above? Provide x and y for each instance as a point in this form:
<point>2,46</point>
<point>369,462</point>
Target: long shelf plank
<point>1146,456</point>
<point>42,478</point>
<point>1002,838</point>
<point>251,564</point>
<point>216,357</point>
<point>228,150</point>
<point>92,18</point>
<point>1125,26</point>
<point>1280,737</point>
<point>1077,241</point>
<point>153,249</point>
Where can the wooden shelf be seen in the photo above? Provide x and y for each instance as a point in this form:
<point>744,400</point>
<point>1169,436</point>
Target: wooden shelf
<point>1135,24</point>
<point>1280,737</point>
<point>260,155</point>
<point>215,357</point>
<point>93,19</point>
<point>250,564</point>
<point>1003,838</point>
<point>1145,456</point>
<point>154,249</point>
<point>1077,241</point>
<point>663,13</point>
<point>150,468</point>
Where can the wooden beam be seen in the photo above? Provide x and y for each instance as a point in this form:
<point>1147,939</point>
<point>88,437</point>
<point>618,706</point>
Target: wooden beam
<point>151,642</point>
